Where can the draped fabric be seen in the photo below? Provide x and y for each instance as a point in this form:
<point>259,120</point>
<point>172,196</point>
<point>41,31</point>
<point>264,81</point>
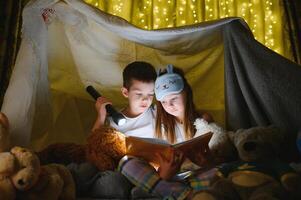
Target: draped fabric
<point>10,18</point>
<point>68,46</point>
<point>267,19</point>
<point>261,87</point>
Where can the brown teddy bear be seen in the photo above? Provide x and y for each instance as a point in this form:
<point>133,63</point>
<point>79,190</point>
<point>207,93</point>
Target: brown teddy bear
<point>7,168</point>
<point>19,169</point>
<point>22,177</point>
<point>4,133</point>
<point>104,148</point>
<point>55,182</point>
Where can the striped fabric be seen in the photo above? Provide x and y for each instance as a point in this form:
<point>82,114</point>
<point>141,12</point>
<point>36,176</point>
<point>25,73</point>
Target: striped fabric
<point>143,175</point>
<point>203,180</point>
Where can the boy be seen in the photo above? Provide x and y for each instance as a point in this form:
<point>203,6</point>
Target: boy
<point>138,88</point>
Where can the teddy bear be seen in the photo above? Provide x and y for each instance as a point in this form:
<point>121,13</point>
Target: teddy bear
<point>251,165</point>
<point>19,169</point>
<point>104,148</point>
<point>7,168</point>
<point>55,182</point>
<point>4,133</point>
<point>22,177</point>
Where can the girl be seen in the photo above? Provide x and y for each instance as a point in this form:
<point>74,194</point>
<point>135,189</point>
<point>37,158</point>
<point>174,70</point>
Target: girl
<point>176,114</point>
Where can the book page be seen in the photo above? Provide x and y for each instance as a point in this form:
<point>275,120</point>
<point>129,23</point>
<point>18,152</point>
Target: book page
<point>146,148</point>
<point>193,148</point>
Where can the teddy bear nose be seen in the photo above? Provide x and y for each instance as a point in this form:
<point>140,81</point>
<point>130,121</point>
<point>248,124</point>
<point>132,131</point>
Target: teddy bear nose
<point>249,146</point>
<point>21,182</point>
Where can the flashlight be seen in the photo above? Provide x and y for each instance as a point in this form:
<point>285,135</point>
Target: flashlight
<point>117,117</point>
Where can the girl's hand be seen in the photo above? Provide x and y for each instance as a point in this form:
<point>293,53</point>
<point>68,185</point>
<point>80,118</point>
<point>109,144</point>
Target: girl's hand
<point>100,106</point>
<point>170,166</point>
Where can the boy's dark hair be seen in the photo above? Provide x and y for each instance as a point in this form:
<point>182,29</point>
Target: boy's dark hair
<point>138,70</point>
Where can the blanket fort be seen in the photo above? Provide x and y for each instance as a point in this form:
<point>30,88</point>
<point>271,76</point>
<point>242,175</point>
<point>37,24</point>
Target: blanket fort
<point>236,79</point>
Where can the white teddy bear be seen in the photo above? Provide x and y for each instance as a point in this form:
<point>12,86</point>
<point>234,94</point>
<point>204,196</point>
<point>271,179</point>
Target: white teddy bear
<point>220,144</point>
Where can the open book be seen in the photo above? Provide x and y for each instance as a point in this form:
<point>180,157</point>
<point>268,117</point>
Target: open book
<point>147,148</point>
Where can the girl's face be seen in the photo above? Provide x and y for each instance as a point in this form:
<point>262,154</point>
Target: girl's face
<point>174,104</point>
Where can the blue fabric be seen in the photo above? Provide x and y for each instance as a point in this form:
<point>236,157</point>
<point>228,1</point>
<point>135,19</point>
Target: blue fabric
<point>169,83</point>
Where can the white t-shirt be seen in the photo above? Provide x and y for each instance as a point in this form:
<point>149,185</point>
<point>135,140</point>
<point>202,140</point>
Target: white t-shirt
<point>141,126</point>
<point>179,130</point>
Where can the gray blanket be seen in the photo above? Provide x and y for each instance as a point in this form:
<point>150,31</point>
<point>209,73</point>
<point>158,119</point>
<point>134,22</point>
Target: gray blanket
<point>261,86</point>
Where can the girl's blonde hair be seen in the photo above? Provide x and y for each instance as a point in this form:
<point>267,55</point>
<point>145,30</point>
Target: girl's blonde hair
<point>165,123</point>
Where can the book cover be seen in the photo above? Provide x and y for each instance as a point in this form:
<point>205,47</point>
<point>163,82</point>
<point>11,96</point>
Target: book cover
<point>147,148</point>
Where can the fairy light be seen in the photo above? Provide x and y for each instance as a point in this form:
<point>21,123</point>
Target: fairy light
<point>189,11</point>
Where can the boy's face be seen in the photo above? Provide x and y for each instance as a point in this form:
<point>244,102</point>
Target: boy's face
<point>140,95</point>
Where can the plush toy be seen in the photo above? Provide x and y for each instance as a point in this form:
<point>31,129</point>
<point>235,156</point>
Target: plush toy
<point>7,168</point>
<point>104,148</point>
<point>22,177</point>
<point>55,182</point>
<point>258,172</point>
<point>19,171</point>
<point>4,133</point>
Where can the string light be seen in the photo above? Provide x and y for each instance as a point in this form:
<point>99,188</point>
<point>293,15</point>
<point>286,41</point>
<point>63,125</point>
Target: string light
<point>181,12</point>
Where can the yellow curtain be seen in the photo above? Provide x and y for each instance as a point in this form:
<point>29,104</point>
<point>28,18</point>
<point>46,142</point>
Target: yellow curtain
<point>266,18</point>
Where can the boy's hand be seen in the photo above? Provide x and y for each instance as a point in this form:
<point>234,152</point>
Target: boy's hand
<point>100,106</point>
<point>170,166</point>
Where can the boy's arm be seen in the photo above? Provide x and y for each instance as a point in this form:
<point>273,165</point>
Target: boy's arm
<point>100,106</point>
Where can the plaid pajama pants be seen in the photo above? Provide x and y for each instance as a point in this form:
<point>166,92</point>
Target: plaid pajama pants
<point>143,175</point>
